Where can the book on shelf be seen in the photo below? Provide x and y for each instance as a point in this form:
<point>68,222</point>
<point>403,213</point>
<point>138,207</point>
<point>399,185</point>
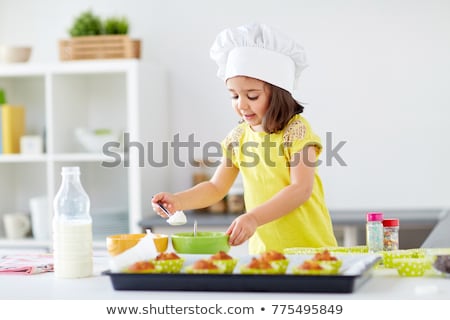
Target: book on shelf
<point>2,102</point>
<point>12,127</point>
<point>1,130</point>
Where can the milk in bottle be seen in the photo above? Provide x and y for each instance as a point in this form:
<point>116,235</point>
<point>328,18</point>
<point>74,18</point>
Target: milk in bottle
<point>72,228</point>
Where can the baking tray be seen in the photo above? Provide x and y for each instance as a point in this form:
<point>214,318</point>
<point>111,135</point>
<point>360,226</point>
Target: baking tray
<point>355,271</point>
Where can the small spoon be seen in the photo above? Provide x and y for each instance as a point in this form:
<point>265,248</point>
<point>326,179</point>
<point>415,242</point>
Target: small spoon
<point>164,209</point>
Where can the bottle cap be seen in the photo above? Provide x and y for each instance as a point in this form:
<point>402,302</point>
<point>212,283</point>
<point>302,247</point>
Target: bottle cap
<point>391,223</point>
<point>70,170</point>
<point>375,216</point>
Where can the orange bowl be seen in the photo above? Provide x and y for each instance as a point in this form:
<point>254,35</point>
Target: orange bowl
<point>161,242</point>
<point>118,243</point>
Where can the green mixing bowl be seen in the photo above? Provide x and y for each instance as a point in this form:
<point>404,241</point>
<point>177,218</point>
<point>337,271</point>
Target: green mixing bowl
<point>202,243</point>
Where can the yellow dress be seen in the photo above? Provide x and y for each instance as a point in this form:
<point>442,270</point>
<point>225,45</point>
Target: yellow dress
<point>263,160</point>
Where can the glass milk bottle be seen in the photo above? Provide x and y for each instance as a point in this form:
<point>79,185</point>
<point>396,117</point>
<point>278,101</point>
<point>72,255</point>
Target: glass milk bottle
<point>72,228</point>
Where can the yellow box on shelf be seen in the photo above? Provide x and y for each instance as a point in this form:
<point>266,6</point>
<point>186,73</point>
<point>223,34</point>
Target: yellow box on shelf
<point>12,127</point>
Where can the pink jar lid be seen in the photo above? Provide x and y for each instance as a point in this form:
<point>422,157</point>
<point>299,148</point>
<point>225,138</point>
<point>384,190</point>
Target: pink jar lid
<point>375,216</point>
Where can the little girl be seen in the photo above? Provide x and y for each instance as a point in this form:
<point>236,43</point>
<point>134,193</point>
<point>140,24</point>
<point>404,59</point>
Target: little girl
<point>274,147</point>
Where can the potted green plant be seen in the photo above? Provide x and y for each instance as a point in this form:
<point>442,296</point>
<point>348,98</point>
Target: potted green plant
<point>94,38</point>
<point>115,25</point>
<point>86,24</point>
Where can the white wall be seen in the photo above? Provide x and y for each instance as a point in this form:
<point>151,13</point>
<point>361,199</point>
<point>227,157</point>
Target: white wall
<point>378,78</point>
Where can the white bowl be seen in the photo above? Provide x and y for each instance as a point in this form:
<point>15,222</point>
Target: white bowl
<point>14,54</point>
<point>93,141</point>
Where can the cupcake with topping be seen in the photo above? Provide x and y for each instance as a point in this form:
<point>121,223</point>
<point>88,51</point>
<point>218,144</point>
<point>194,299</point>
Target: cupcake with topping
<point>168,262</point>
<point>325,258</point>
<point>313,267</point>
<point>259,266</point>
<point>204,266</point>
<point>141,267</point>
<point>276,259</point>
<point>224,260</point>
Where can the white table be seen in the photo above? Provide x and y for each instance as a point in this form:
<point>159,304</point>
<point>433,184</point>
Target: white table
<point>384,284</point>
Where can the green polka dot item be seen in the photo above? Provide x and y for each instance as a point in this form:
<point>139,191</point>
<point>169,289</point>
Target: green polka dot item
<point>169,266</point>
<point>280,265</point>
<point>189,269</point>
<point>227,265</point>
<point>325,269</point>
<point>298,271</point>
<point>389,257</point>
<point>301,250</point>
<point>333,265</point>
<point>350,250</point>
<point>411,267</point>
<point>247,270</point>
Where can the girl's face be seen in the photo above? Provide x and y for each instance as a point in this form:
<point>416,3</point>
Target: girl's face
<point>250,99</point>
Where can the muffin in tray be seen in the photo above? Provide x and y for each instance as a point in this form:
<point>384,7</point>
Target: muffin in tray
<point>313,267</point>
<point>224,261</point>
<point>204,266</point>
<point>277,259</point>
<point>168,262</point>
<point>142,267</point>
<point>325,258</point>
<point>259,266</point>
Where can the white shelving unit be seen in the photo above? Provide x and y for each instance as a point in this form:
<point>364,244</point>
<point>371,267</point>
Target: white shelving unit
<point>125,95</point>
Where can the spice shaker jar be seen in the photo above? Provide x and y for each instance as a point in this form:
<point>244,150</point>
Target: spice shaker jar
<point>391,230</point>
<point>374,231</point>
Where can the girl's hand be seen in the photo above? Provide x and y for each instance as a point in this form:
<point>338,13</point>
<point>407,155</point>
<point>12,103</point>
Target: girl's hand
<point>168,200</point>
<point>241,229</point>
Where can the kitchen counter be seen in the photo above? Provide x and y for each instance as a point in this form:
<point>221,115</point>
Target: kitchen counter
<point>408,217</point>
<point>415,224</point>
<point>384,284</point>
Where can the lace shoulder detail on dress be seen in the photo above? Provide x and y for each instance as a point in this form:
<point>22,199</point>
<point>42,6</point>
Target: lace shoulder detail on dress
<point>295,130</point>
<point>233,138</point>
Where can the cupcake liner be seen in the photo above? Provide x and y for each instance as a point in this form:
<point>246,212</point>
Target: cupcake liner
<point>169,266</point>
<point>334,265</point>
<point>189,269</point>
<point>313,272</point>
<point>411,267</point>
<point>389,257</point>
<point>280,265</point>
<point>227,265</point>
<point>247,270</point>
<point>354,249</point>
<point>301,250</point>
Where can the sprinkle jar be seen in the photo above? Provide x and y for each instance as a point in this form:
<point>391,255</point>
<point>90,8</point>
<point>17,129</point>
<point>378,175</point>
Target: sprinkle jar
<point>391,230</point>
<point>374,231</point>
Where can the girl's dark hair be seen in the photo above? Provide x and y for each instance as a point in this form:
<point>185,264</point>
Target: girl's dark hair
<point>281,109</point>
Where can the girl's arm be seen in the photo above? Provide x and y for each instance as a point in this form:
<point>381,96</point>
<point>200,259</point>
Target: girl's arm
<point>285,201</point>
<point>201,195</point>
